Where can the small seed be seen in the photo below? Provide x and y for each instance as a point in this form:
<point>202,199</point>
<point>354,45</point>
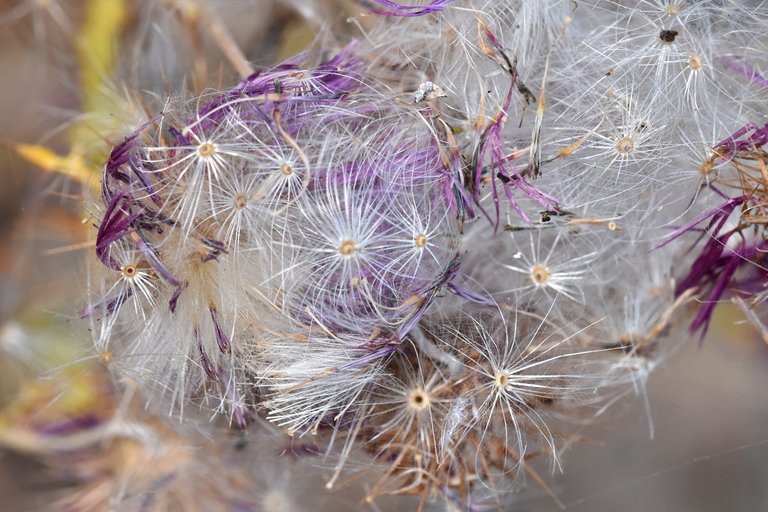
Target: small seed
<point>668,36</point>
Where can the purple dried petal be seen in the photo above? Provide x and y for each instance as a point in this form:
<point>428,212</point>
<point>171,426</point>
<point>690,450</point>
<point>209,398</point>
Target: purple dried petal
<point>216,248</point>
<point>116,223</point>
<point>722,274</point>
<point>716,264</point>
<point>743,67</point>
<point>491,144</point>
<point>110,305</point>
<point>729,147</point>
<point>221,338</point>
<point>704,315</point>
<point>470,296</point>
<point>706,264</point>
<point>175,297</point>
<point>121,155</point>
<point>138,170</point>
<point>70,425</point>
<point>152,258</point>
<point>368,358</point>
<point>427,297</point>
<point>286,83</point>
<point>723,210</point>
<point>410,10</point>
<point>205,362</point>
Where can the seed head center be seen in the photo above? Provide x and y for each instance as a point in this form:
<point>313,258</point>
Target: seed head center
<point>502,380</point>
<point>206,149</point>
<point>672,10</point>
<point>129,270</point>
<point>540,275</point>
<point>286,169</point>
<point>241,201</point>
<point>625,145</point>
<point>106,357</point>
<point>418,400</point>
<point>695,62</point>
<point>347,248</point>
<point>420,241</point>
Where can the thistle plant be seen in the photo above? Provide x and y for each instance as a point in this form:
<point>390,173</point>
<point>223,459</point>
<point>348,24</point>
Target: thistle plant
<point>434,248</point>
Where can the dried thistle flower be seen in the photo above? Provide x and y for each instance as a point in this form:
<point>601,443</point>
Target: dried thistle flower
<point>404,248</point>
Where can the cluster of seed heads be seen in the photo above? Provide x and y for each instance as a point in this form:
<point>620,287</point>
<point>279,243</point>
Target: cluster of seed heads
<point>442,244</point>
